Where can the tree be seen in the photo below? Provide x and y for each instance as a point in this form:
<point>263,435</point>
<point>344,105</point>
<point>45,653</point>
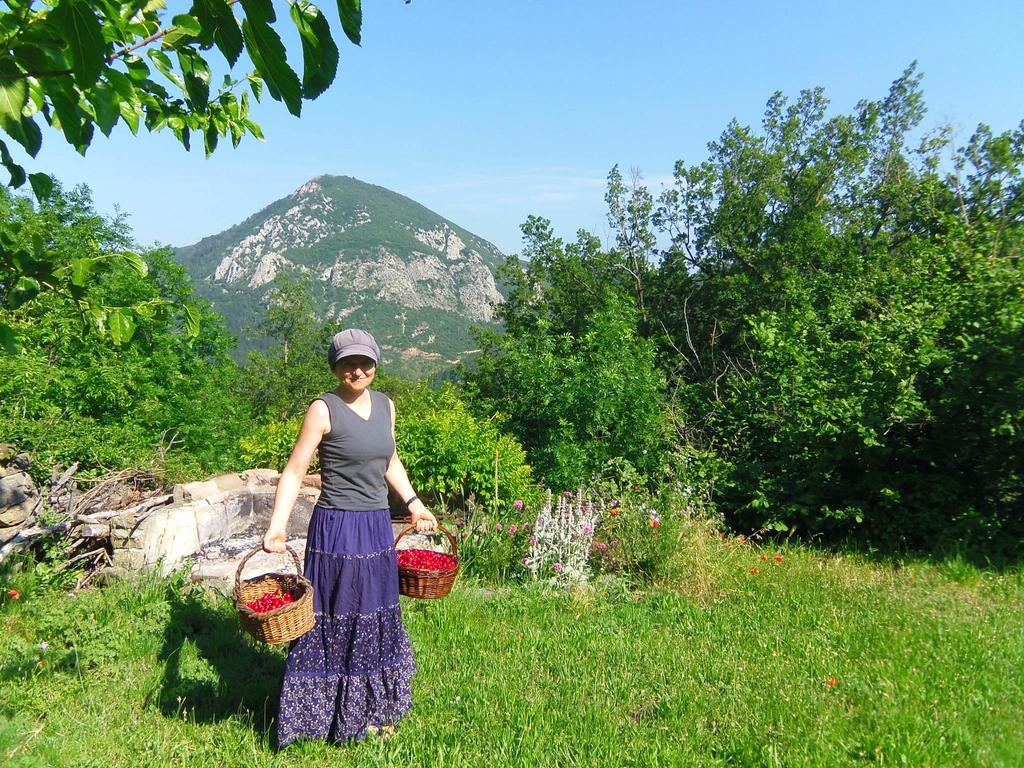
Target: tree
<point>841,305</point>
<point>67,399</point>
<point>579,385</point>
<point>78,66</point>
<point>281,381</point>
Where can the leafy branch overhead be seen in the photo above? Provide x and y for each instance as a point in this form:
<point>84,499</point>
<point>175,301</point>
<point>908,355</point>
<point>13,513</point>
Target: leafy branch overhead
<point>76,66</point>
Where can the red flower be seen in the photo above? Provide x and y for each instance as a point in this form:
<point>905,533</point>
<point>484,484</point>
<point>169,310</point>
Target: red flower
<point>636,487</point>
<point>42,662</point>
<point>755,570</point>
<point>655,523</point>
<point>778,558</point>
<point>831,682</point>
<point>764,558</point>
<point>14,594</point>
<point>615,512</point>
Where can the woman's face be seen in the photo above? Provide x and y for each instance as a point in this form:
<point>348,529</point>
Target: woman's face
<point>355,373</point>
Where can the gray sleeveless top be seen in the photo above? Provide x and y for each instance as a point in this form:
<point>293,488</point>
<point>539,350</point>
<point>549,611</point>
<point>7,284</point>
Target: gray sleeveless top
<point>355,454</point>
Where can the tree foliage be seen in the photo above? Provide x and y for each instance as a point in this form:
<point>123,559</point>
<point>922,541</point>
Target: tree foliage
<point>842,307</point>
<point>161,399</point>
<point>281,381</point>
<point>79,66</point>
<point>580,386</point>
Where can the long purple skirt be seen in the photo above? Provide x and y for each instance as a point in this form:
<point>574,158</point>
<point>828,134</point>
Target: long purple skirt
<point>354,669</point>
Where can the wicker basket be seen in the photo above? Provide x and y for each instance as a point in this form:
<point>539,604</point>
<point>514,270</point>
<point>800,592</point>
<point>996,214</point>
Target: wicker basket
<point>286,623</point>
<point>421,582</point>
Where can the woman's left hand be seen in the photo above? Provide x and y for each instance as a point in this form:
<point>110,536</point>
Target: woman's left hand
<point>422,519</point>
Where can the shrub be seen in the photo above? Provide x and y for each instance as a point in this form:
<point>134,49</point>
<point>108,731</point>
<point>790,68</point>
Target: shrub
<point>456,457</point>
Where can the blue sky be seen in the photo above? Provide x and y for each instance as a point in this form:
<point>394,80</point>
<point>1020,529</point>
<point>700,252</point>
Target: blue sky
<point>489,111</point>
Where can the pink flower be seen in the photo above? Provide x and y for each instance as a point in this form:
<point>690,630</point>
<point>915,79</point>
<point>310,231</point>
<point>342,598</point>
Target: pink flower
<point>499,527</point>
<point>602,546</point>
<point>523,561</point>
<point>513,529</point>
<point>518,504</point>
<point>615,542</point>
<point>532,539</point>
<point>526,526</point>
<point>567,494</point>
<point>587,530</point>
<point>556,567</point>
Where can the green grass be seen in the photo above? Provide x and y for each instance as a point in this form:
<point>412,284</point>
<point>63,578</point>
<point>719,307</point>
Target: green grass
<point>714,666</point>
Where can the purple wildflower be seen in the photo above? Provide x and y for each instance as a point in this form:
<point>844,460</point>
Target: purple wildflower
<point>518,504</point>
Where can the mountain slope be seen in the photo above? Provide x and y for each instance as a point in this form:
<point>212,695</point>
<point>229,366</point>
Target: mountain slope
<point>378,260</point>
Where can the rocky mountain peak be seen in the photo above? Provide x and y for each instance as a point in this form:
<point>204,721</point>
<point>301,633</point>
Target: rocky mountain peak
<point>378,257</point>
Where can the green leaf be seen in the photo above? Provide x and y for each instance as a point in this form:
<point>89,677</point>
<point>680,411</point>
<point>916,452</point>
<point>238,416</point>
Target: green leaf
<point>80,269</point>
<point>25,289</point>
<point>122,325</point>
<point>217,16</point>
<point>131,113</point>
<point>78,24</point>
<point>268,55</point>
<point>137,67</point>
<point>27,134</point>
<point>351,14</point>
<point>136,262</point>
<point>70,116</point>
<point>13,96</point>
<point>197,76</point>
<point>163,63</point>
<point>319,52</point>
<point>104,101</point>
<point>188,24</point>
<point>191,319</point>
<point>256,84</point>
<point>8,340</point>
<point>16,171</point>
<point>42,185</point>
<point>210,138</point>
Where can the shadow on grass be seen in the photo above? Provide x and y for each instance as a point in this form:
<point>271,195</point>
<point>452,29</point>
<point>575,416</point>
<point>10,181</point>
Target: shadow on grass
<point>212,669</point>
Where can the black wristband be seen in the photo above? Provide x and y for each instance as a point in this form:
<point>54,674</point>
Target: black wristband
<point>410,500</point>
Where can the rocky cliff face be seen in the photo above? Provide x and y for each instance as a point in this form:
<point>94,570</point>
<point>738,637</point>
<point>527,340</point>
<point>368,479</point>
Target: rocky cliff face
<point>379,259</point>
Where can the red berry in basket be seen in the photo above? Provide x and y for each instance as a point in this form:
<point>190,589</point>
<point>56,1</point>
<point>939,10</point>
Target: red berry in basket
<point>426,559</point>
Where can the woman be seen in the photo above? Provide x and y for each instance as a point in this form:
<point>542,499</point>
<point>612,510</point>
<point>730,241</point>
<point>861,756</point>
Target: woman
<point>351,674</point>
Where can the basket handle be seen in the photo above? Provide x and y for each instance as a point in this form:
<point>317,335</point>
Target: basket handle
<point>259,548</point>
<point>445,531</point>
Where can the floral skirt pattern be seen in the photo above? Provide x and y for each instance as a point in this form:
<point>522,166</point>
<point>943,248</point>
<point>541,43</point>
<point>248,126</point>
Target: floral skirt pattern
<point>354,669</point>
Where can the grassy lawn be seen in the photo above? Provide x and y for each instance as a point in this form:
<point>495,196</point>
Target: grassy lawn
<point>716,666</point>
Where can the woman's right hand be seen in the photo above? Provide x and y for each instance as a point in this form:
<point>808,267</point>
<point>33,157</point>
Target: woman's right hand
<point>273,541</point>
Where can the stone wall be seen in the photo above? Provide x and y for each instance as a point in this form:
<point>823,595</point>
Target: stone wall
<point>226,507</point>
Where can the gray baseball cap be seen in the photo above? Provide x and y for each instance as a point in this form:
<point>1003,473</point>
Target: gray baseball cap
<point>352,341</point>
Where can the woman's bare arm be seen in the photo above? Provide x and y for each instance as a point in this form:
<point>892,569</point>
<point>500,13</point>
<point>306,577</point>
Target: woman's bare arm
<point>315,425</point>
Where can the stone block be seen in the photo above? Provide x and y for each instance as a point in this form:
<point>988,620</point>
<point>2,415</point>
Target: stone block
<point>169,535</point>
<point>125,537</point>
<point>18,497</point>
<point>260,476</point>
<point>228,482</point>
<point>123,522</point>
<point>185,492</point>
<point>130,559</point>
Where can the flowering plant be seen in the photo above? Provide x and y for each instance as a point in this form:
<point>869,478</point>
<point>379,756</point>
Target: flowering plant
<point>493,550</point>
<point>562,538</point>
<point>635,538</point>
